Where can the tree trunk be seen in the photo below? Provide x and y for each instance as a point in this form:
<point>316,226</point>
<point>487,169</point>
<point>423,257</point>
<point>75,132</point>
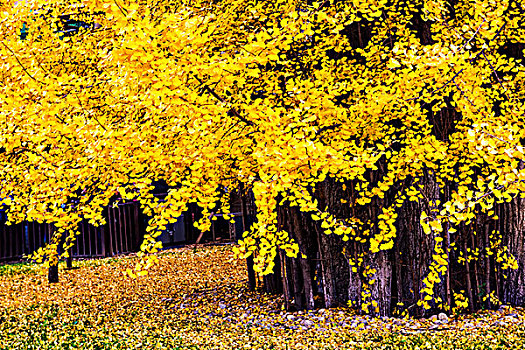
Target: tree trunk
<point>69,259</point>
<point>399,272</point>
<point>513,231</point>
<point>326,276</point>
<point>252,282</point>
<point>273,283</point>
<point>246,223</point>
<point>52,274</point>
<point>380,288</point>
<point>412,257</point>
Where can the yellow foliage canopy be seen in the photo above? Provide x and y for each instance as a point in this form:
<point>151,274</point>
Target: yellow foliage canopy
<point>276,96</point>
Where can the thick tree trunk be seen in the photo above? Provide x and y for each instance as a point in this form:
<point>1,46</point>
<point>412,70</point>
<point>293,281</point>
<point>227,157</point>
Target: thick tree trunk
<point>399,272</point>
<point>513,231</point>
<point>297,279</point>
<point>327,275</point>
<point>304,238</point>
<point>380,287</point>
<point>273,282</point>
<point>252,282</point>
<point>298,291</point>
<point>246,223</point>
<point>340,284</point>
<point>285,272</point>
<point>411,257</point>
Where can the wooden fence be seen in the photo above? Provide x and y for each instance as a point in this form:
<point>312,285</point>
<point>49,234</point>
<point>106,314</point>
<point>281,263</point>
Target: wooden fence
<point>121,234</point>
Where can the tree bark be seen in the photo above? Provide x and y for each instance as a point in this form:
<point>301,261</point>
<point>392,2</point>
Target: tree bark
<point>399,273</point>
<point>246,222</point>
<point>513,231</point>
<point>273,283</point>
<point>252,282</point>
<point>327,279</point>
<point>52,274</point>
<point>69,259</point>
<point>381,287</point>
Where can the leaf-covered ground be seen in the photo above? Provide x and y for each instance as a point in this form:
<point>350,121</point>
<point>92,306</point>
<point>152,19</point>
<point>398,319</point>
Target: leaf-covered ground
<point>198,300</point>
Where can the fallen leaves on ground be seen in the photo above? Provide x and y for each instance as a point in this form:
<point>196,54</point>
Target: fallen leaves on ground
<point>199,300</point>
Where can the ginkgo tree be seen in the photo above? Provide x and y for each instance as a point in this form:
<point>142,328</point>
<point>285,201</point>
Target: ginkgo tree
<point>382,141</point>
